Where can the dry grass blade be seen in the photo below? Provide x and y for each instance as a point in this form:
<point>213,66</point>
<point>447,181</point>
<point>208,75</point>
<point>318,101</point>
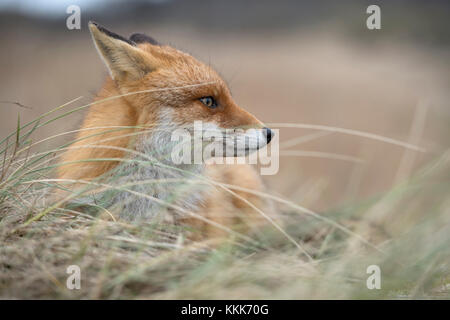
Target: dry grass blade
<point>350,132</point>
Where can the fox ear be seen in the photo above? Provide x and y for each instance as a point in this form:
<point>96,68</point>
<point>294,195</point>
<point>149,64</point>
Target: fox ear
<point>123,59</point>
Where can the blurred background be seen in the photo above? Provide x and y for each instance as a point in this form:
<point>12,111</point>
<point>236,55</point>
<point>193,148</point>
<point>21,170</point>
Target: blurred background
<point>303,62</point>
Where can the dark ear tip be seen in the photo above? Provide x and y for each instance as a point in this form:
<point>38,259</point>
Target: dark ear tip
<point>143,38</point>
<point>109,33</point>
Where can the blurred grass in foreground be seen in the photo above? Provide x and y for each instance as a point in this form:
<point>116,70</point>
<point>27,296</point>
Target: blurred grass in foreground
<point>408,229</point>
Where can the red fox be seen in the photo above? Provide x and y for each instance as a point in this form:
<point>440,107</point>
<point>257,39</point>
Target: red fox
<point>152,90</point>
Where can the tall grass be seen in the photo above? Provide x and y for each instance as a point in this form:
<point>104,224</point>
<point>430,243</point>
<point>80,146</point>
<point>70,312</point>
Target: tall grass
<point>405,231</point>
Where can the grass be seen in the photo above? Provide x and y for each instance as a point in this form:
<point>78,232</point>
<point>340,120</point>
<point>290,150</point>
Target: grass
<point>405,231</point>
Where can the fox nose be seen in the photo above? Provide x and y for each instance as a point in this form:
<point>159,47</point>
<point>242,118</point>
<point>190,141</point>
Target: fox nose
<point>268,133</point>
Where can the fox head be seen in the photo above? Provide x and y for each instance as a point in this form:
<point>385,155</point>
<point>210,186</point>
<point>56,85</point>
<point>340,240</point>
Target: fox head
<point>172,89</point>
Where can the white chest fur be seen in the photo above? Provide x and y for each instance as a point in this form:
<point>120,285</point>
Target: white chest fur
<point>164,184</point>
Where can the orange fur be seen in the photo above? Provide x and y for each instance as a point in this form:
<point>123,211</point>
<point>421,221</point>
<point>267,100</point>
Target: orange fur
<point>169,78</point>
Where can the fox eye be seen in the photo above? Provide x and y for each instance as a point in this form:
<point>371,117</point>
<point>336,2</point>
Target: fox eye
<point>209,102</point>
